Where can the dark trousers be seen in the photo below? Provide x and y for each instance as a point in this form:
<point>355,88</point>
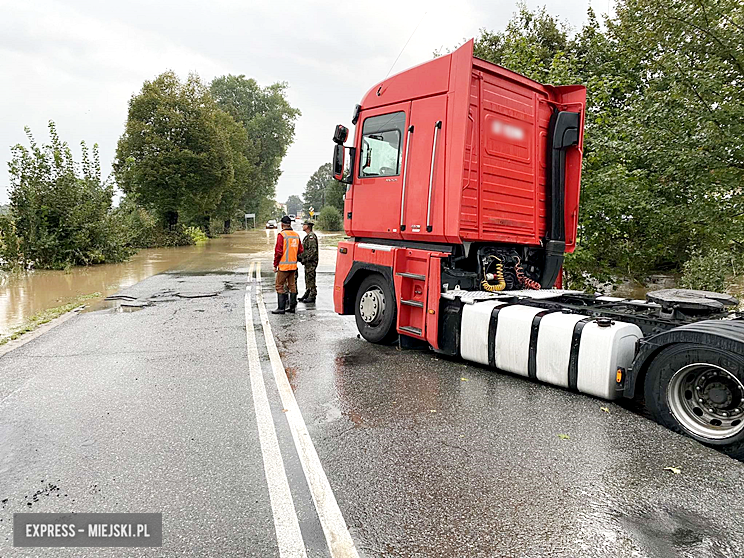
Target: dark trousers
<point>310,288</point>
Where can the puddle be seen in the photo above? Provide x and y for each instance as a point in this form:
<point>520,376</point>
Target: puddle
<point>354,359</point>
<point>670,532</point>
<point>119,306</point>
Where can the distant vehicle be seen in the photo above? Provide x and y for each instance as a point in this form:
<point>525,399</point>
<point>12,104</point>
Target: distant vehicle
<point>271,224</point>
<point>292,216</point>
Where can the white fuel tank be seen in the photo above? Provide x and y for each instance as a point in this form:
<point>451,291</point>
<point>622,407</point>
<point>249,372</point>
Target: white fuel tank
<point>513,338</point>
<point>602,351</point>
<point>553,357</point>
<point>476,320</point>
<point>567,350</point>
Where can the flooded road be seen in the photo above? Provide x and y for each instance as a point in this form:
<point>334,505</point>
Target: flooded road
<point>25,295</point>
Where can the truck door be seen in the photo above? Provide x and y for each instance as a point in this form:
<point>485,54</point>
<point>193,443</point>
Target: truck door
<point>379,169</point>
<point>424,195</point>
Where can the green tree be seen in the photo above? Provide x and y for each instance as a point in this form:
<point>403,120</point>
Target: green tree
<point>294,205</point>
<point>59,209</point>
<point>531,43</point>
<point>330,219</point>
<point>323,190</point>
<point>269,121</point>
<point>177,153</point>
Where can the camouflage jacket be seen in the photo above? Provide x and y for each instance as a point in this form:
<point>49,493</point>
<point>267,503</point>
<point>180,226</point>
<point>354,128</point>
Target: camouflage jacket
<point>310,249</point>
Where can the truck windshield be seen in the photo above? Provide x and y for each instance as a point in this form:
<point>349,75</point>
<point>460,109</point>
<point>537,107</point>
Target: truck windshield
<point>381,151</point>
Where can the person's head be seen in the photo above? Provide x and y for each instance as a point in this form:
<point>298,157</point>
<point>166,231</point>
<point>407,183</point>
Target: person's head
<point>307,226</point>
<point>286,222</point>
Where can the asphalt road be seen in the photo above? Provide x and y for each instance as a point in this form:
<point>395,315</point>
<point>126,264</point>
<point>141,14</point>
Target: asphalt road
<point>155,410</point>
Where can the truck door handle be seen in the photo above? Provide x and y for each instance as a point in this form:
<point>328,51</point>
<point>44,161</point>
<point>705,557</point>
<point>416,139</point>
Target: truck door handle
<point>472,148</point>
<point>437,127</point>
<point>405,174</point>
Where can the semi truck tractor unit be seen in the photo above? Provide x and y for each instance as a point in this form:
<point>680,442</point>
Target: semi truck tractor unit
<point>462,199</point>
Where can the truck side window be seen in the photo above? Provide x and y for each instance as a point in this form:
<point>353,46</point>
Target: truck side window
<point>382,142</point>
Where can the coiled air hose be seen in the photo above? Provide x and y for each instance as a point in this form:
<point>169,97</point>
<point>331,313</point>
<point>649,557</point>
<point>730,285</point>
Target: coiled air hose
<point>498,276</point>
<point>523,279</point>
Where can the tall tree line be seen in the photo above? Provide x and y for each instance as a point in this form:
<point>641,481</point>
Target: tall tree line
<point>193,158</point>
<point>195,153</point>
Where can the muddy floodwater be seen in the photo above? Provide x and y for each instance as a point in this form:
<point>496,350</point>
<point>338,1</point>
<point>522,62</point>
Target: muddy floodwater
<point>25,295</point>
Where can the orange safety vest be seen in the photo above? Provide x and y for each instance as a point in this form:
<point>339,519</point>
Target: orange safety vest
<point>291,247</point>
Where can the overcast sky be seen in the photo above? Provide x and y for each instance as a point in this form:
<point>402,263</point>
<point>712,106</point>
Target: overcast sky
<point>78,62</point>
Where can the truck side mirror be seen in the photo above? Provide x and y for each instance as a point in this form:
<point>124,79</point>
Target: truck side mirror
<point>340,135</point>
<point>338,161</point>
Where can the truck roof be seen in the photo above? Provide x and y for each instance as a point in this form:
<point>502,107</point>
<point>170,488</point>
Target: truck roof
<point>435,76</point>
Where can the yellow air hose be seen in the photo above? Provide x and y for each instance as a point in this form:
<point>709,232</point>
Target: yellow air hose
<point>499,275</point>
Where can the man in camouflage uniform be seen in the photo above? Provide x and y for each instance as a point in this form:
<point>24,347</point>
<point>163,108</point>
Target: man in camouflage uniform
<point>309,258</point>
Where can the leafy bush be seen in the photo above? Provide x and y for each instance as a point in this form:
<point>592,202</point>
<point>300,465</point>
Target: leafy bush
<point>195,234</point>
<point>60,210</point>
<point>330,219</point>
<point>10,249</point>
<point>138,227</point>
<point>706,271</point>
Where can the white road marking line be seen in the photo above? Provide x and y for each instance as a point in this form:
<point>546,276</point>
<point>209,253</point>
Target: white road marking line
<point>336,532</point>
<point>288,535</point>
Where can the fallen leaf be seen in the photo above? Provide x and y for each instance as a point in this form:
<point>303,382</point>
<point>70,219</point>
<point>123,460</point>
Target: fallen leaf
<point>285,410</point>
<point>564,436</point>
<point>605,409</point>
<point>674,470</point>
<point>464,380</point>
<point>432,410</point>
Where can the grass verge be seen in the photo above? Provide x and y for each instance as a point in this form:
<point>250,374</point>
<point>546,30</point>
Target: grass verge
<point>45,316</point>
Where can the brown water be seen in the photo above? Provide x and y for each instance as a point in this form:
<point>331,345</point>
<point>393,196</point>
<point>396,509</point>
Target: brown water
<point>27,294</point>
<point>24,295</point>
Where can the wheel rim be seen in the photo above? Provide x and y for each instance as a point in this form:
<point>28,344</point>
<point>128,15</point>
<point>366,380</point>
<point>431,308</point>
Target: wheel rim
<point>707,400</point>
<point>372,305</point>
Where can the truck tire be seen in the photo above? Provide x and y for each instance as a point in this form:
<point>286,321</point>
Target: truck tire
<point>375,310</point>
<point>699,391</point>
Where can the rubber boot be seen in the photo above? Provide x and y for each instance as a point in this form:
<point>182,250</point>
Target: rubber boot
<point>281,299</point>
<point>292,302</point>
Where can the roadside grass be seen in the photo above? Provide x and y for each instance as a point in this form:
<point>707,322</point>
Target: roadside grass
<point>331,239</point>
<point>46,316</point>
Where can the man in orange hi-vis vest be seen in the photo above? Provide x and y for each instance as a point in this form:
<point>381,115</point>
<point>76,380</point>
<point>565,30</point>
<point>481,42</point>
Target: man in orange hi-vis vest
<point>288,247</point>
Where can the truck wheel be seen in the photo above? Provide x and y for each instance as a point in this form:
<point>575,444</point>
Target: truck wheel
<point>375,310</point>
<point>699,391</point>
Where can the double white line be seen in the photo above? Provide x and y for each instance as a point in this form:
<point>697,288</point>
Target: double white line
<point>288,535</point>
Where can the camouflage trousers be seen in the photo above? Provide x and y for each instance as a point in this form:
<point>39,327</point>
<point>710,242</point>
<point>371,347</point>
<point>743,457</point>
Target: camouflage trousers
<point>310,288</point>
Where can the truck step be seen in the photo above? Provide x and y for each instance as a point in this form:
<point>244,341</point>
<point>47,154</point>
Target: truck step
<point>409,329</point>
<point>412,276</point>
<point>415,303</point>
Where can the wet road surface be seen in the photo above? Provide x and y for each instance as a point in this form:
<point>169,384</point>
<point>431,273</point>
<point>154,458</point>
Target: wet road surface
<point>153,411</point>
